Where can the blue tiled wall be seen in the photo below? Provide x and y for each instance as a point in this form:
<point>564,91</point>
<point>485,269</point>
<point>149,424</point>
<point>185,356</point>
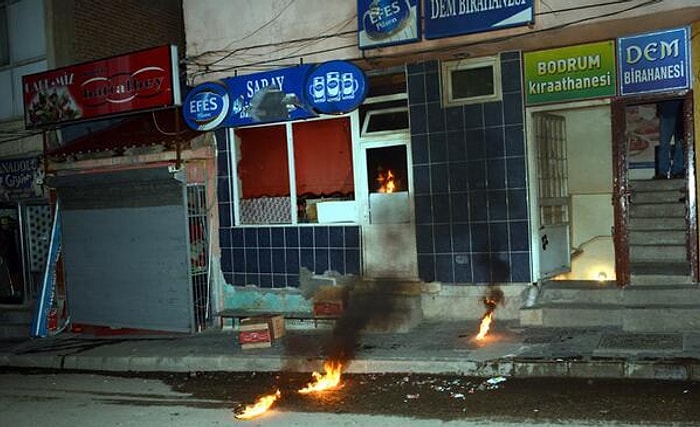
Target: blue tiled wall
<point>469,169</point>
<point>271,257</point>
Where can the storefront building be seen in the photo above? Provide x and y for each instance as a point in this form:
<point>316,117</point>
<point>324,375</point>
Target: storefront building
<point>37,35</point>
<point>480,209</point>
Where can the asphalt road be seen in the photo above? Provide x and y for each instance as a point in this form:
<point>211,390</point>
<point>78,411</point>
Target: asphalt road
<point>28,398</point>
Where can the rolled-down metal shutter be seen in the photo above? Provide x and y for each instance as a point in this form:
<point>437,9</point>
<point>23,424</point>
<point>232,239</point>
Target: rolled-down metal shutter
<point>125,248</point>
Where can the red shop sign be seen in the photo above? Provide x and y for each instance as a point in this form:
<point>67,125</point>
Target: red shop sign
<point>144,80</point>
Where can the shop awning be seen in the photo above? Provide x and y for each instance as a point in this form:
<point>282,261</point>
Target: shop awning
<point>152,129</point>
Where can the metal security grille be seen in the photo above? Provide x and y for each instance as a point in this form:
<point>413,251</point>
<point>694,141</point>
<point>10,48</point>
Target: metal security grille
<point>199,252</point>
<point>550,137</point>
<point>37,229</point>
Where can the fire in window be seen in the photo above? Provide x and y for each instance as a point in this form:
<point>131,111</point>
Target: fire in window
<point>387,177</point>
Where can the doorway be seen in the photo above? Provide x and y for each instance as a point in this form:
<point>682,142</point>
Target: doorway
<point>24,237</point>
<point>655,209</point>
<point>570,157</point>
<point>388,226</point>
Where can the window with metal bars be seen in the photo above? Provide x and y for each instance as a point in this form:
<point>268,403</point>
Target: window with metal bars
<point>550,137</point>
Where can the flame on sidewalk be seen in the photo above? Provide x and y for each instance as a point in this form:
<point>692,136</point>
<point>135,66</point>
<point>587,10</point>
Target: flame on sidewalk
<point>493,297</point>
<point>259,407</point>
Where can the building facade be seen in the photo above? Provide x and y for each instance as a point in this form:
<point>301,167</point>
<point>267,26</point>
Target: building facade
<point>498,186</point>
<point>42,35</point>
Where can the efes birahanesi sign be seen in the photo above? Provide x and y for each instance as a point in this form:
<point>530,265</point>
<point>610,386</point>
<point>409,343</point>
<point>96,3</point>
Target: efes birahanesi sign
<point>570,73</point>
<point>387,22</point>
<point>292,93</point>
<point>447,18</point>
<point>654,62</point>
<point>138,81</point>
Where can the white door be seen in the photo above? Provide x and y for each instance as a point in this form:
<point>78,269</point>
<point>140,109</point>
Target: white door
<point>388,226</point>
<point>553,194</point>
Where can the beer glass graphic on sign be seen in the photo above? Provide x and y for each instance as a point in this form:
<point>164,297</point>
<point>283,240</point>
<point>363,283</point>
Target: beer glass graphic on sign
<point>318,89</point>
<point>333,85</point>
<point>349,85</point>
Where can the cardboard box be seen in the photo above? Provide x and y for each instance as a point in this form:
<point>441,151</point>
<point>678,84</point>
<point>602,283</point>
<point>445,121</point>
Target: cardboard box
<point>328,309</point>
<point>329,301</point>
<point>260,331</point>
<point>254,333</point>
<point>276,324</point>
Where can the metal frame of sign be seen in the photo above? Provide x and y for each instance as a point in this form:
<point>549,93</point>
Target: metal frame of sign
<point>447,18</point>
<point>388,22</point>
<point>654,62</point>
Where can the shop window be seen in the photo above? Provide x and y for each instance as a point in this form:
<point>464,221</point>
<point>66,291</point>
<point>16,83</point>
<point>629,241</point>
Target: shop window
<point>471,81</point>
<point>263,173</point>
<point>384,115</point>
<point>318,152</point>
<point>323,165</point>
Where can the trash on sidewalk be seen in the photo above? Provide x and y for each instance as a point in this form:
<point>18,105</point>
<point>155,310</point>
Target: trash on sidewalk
<point>495,380</point>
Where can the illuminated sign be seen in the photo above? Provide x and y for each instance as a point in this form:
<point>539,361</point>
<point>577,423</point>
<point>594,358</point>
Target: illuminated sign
<point>654,62</point>
<point>144,80</point>
<point>570,73</point>
<point>387,22</point>
<point>446,18</point>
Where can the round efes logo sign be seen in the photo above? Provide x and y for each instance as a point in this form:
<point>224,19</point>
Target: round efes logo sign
<point>336,87</point>
<point>206,106</point>
<point>385,18</point>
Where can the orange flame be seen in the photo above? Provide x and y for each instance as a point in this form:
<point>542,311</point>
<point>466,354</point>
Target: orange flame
<point>327,381</point>
<point>485,326</point>
<point>259,407</point>
<point>387,181</point>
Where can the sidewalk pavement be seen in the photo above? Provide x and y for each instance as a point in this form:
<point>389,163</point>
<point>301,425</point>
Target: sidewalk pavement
<point>430,348</point>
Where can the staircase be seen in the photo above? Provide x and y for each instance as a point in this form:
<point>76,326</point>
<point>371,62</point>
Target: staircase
<point>660,297</point>
<point>657,233</point>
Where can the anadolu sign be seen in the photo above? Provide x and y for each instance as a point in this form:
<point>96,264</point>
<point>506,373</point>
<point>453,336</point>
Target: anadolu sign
<point>570,73</point>
<point>292,93</point>
<point>654,62</point>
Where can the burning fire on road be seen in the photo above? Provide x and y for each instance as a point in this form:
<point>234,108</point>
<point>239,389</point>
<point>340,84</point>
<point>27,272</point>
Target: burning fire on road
<point>493,298</point>
<point>259,407</point>
<point>328,381</point>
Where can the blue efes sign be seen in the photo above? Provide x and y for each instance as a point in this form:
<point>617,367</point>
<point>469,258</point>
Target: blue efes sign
<point>268,97</point>
<point>292,93</point>
<point>336,87</point>
<point>387,22</point>
<point>206,106</point>
<point>446,18</point>
<point>654,62</point>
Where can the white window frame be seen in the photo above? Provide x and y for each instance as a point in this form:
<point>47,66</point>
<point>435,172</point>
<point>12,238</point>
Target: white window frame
<point>448,67</point>
<point>236,189</point>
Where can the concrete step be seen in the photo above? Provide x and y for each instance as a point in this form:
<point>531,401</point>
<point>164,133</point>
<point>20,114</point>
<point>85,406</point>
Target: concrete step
<point>662,318</point>
<point>658,253</point>
<point>657,185</point>
<point>657,210</point>
<point>15,330</point>
<point>658,279</point>
<point>658,237</point>
<point>644,224</point>
<point>15,314</point>
<point>571,315</point>
<point>649,318</point>
<point>608,294</point>
<point>673,196</point>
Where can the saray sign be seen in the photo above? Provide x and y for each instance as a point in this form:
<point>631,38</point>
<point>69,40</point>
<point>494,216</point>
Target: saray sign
<point>144,80</point>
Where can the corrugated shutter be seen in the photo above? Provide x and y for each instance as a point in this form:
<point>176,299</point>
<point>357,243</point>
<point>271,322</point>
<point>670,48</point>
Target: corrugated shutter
<point>126,249</point>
